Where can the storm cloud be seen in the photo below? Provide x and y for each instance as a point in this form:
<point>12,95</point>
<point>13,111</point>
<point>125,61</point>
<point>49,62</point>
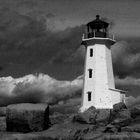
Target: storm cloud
<point>126,58</point>
<point>35,39</point>
<point>40,37</point>
<point>29,44</point>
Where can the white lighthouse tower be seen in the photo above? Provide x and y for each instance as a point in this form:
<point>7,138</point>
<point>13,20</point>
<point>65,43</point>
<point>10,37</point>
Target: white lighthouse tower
<point>99,86</point>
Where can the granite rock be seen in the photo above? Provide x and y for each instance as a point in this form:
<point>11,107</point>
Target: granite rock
<point>57,118</point>
<point>131,128</point>
<point>87,117</point>
<point>103,116</point>
<point>93,116</point>
<point>119,106</point>
<point>27,117</point>
<point>122,118</point>
<point>135,111</point>
<point>2,123</point>
<point>2,111</point>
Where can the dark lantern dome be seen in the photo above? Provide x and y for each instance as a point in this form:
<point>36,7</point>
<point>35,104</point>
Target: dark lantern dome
<point>97,28</point>
<point>98,23</point>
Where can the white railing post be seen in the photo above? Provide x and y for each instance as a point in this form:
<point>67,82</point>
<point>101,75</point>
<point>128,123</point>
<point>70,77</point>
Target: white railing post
<point>83,36</point>
<point>113,36</point>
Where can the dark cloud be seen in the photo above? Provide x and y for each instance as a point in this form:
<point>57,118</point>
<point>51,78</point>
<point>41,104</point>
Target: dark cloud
<point>132,86</point>
<point>126,62</point>
<point>31,40</point>
<point>27,46</point>
<point>77,56</point>
<point>126,57</point>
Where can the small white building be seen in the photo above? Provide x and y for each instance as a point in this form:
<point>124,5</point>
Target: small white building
<point>99,86</point>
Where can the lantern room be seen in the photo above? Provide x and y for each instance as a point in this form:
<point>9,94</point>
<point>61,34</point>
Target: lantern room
<point>97,28</point>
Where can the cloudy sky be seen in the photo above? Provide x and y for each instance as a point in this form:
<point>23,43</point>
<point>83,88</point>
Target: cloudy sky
<point>44,36</point>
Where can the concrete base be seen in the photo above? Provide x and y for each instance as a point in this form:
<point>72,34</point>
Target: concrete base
<point>116,97</point>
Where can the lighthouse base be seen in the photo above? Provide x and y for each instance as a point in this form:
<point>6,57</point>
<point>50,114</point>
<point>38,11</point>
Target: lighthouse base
<point>114,96</point>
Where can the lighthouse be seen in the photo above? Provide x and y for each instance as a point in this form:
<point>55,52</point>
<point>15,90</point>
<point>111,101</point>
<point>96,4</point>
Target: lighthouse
<point>99,86</point>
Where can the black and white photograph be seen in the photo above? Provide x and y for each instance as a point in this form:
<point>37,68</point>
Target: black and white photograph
<point>69,70</point>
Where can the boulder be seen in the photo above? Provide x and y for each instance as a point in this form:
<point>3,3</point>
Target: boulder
<point>131,128</point>
<point>2,111</point>
<point>136,120</point>
<point>27,117</point>
<point>93,116</point>
<point>2,123</point>
<point>87,117</point>
<point>135,111</point>
<point>111,129</point>
<point>122,118</point>
<point>103,116</point>
<point>127,129</point>
<point>119,106</point>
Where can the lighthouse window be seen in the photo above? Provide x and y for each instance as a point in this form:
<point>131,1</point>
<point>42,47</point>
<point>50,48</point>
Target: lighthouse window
<point>91,52</point>
<point>89,96</point>
<point>90,73</point>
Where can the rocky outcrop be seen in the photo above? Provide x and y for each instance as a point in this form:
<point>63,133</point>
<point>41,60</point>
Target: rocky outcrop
<point>103,117</point>
<point>112,120</point>
<point>122,118</point>
<point>27,117</point>
<point>118,107</point>
<point>131,128</point>
<point>87,117</point>
<point>135,111</point>
<point>58,118</point>
<point>2,111</point>
<point>122,136</point>
<point>93,116</point>
<point>63,135</point>
<point>99,124</point>
<point>2,123</point>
